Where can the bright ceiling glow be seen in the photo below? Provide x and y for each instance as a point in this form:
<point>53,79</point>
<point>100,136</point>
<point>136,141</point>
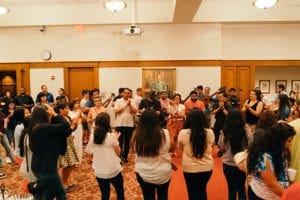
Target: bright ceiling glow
<point>265,4</point>
<point>114,5</point>
<point>3,10</point>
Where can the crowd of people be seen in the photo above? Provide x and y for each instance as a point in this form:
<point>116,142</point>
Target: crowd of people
<point>50,133</point>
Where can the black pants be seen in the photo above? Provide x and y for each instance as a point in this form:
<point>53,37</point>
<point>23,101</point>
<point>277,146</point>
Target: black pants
<point>196,184</point>
<point>117,182</point>
<point>217,128</point>
<point>235,182</point>
<point>149,189</point>
<point>252,195</point>
<point>124,140</point>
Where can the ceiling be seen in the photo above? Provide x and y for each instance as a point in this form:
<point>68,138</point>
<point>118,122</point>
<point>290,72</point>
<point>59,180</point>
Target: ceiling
<point>91,12</point>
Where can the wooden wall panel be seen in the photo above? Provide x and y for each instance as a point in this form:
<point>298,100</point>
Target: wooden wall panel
<point>79,79</point>
<point>229,77</point>
<point>234,73</point>
<point>243,83</point>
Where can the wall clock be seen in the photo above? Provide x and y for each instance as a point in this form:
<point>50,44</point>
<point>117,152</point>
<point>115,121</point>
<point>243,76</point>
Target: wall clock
<point>46,55</point>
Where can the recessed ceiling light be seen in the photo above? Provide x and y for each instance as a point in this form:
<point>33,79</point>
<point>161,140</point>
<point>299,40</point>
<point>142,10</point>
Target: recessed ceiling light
<point>3,10</point>
<point>264,4</point>
<point>114,5</point>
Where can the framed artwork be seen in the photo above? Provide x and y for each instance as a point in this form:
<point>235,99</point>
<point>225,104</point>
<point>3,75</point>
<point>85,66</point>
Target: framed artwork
<point>159,79</point>
<point>280,82</point>
<point>264,86</point>
<point>296,85</point>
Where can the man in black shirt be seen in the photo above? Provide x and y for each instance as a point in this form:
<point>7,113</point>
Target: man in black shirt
<point>150,102</point>
<point>24,100</point>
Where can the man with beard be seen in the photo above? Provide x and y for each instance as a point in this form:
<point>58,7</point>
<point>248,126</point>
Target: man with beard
<point>24,100</point>
<point>193,102</point>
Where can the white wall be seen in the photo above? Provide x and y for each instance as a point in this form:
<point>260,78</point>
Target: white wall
<point>187,78</point>
<point>111,79</point>
<point>277,73</point>
<point>190,77</point>
<point>158,42</point>
<point>39,77</point>
<point>261,41</point>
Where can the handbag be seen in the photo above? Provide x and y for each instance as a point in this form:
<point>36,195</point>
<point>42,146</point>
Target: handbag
<point>35,188</point>
<point>240,160</point>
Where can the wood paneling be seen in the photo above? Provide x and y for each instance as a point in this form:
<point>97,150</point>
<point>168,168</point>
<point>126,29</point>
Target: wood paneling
<point>79,79</point>
<point>239,77</point>
<point>22,74</point>
<point>234,73</point>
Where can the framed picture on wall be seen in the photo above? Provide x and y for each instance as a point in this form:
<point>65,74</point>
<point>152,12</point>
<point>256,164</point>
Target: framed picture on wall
<point>264,86</point>
<point>280,82</point>
<point>296,85</point>
<point>159,79</point>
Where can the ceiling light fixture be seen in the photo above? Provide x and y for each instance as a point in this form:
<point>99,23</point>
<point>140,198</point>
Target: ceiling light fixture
<point>264,4</point>
<point>114,5</point>
<point>3,10</point>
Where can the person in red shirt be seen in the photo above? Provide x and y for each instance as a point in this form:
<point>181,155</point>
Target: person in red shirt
<point>193,102</point>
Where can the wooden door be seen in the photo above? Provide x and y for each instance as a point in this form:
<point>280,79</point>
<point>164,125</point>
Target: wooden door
<point>79,79</point>
<point>240,78</point>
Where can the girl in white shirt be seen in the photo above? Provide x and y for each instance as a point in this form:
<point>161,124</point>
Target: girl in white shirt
<point>106,162</point>
<point>152,165</point>
<point>196,140</point>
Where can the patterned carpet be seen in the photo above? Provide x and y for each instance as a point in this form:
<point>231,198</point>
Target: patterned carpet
<point>87,187</point>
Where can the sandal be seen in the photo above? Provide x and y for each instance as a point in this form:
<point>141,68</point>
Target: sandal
<point>70,188</point>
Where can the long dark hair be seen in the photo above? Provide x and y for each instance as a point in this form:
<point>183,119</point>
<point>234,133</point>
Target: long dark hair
<point>17,117</point>
<point>148,136</point>
<point>39,115</point>
<point>196,122</point>
<point>271,141</point>
<point>267,119</point>
<point>283,103</point>
<point>102,122</point>
<point>60,105</point>
<point>234,132</point>
<point>24,132</point>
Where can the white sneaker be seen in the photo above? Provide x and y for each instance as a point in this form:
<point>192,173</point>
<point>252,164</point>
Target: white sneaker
<point>8,160</point>
<point>2,175</point>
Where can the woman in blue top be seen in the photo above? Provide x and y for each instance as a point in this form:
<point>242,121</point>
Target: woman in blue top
<point>267,162</point>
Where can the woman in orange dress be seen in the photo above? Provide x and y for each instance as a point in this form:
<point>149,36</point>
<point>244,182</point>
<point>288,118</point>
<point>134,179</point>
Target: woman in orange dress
<point>176,111</point>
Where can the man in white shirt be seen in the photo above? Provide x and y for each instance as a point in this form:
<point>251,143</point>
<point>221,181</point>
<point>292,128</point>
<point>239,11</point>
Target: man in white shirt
<point>124,123</point>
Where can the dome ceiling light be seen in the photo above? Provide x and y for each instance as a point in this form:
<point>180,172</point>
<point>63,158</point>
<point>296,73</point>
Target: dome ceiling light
<point>114,5</point>
<point>264,4</point>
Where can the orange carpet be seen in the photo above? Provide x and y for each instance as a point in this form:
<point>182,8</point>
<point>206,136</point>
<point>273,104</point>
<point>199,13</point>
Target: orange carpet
<point>216,188</point>
<point>87,188</point>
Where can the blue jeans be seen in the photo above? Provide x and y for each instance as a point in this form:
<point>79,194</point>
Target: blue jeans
<point>149,189</point>
<point>116,181</point>
<point>5,144</point>
<point>53,186</point>
<point>10,135</point>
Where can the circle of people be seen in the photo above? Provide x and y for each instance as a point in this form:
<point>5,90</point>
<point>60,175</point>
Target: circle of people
<point>47,135</point>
